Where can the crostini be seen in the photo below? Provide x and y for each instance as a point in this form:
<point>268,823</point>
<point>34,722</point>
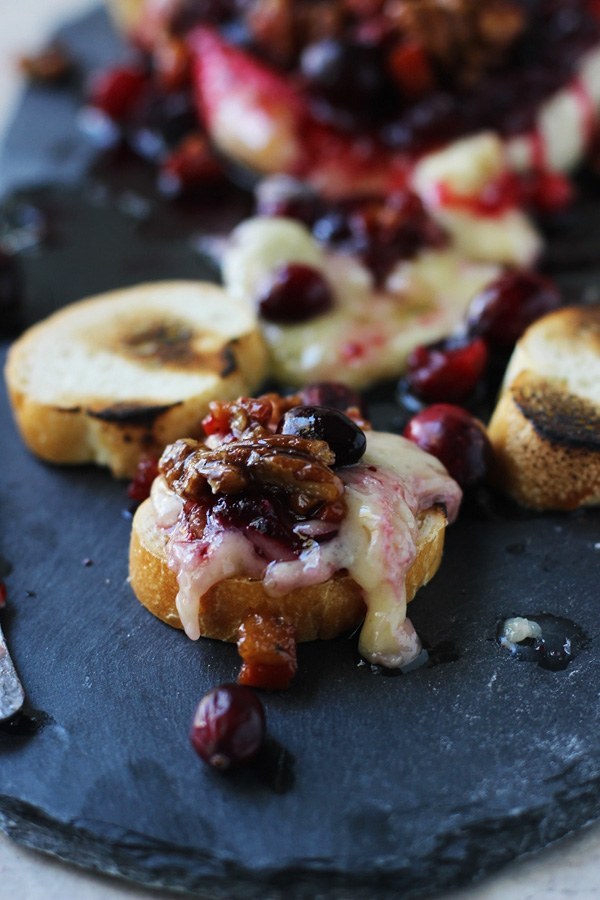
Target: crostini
<point>295,511</point>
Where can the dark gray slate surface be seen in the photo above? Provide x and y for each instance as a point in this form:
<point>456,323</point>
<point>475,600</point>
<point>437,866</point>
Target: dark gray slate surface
<point>411,783</point>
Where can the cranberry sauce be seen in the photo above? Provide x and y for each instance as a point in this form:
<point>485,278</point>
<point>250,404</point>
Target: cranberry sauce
<point>380,231</point>
<point>265,521</point>
<point>412,79</point>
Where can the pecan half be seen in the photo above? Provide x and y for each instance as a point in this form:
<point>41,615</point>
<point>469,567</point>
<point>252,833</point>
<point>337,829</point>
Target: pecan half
<point>296,466</point>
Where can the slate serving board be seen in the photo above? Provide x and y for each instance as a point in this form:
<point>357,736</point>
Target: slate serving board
<point>404,785</point>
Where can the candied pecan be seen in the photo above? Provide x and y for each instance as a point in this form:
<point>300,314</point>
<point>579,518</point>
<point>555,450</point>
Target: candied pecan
<point>267,645</point>
<point>297,466</point>
<point>501,23</point>
<point>174,464</point>
<point>464,37</point>
<point>240,418</point>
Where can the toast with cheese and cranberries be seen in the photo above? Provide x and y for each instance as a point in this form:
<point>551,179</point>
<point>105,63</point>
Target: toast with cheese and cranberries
<point>120,375</point>
<point>273,519</point>
<point>545,430</point>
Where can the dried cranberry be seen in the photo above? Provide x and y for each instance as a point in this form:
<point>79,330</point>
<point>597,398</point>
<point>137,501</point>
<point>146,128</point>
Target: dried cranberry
<point>139,487</point>
<point>447,370</point>
<point>294,293</point>
<point>3,595</point>
<point>333,394</point>
<point>116,92</point>
<point>228,727</point>
<point>345,438</point>
<point>502,310</point>
<point>456,438</point>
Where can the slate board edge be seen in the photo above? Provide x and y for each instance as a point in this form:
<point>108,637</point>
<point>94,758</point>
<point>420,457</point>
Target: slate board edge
<point>457,862</point>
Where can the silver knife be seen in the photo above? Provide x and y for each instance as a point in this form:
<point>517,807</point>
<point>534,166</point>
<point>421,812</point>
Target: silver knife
<point>12,695</point>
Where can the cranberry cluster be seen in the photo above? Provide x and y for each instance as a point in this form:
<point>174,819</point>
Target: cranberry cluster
<point>380,231</point>
<point>449,371</point>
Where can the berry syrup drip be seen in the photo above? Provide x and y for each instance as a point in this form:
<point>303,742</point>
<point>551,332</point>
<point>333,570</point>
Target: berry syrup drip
<point>554,643</point>
<point>380,231</point>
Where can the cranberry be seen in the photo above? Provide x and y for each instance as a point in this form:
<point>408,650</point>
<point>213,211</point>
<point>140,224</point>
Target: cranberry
<point>282,195</point>
<point>447,370</point>
<point>3,595</point>
<point>263,520</point>
<point>410,69</point>
<point>294,293</point>
<point>191,164</point>
<point>116,92</point>
<point>346,74</point>
<point>502,310</point>
<point>548,192</point>
<point>139,487</point>
<point>333,394</point>
<point>228,727</point>
<point>380,230</point>
<point>456,438</point>
<point>346,439</point>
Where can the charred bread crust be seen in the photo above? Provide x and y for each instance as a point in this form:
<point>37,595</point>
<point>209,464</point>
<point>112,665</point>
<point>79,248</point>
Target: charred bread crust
<point>546,446</point>
<point>130,371</point>
<point>545,430</point>
<point>319,611</point>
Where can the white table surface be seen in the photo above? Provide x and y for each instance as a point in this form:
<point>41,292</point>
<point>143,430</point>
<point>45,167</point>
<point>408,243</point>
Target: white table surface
<point>570,869</point>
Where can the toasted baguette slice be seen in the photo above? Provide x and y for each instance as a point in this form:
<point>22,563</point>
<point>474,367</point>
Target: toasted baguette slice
<point>319,611</point>
<point>545,430</point>
<point>110,378</point>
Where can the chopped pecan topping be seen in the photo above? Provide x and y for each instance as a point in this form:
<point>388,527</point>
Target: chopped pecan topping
<point>267,645</point>
<point>462,36</point>
<point>296,466</point>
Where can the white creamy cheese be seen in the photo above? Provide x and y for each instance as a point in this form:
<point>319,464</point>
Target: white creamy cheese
<point>564,123</point>
<point>516,630</point>
<point>377,543</point>
<point>370,332</point>
<point>466,168</point>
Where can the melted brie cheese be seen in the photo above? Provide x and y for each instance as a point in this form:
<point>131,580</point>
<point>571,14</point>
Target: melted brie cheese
<point>376,544</point>
<point>369,333</point>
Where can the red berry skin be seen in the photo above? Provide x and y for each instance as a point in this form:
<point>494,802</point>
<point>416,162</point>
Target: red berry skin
<point>447,370</point>
<point>116,92</point>
<point>228,728</point>
<point>294,293</point>
<point>502,311</point>
<point>139,487</point>
<point>456,438</point>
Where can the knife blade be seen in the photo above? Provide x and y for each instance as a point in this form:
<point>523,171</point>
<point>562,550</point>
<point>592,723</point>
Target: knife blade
<point>12,695</point>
